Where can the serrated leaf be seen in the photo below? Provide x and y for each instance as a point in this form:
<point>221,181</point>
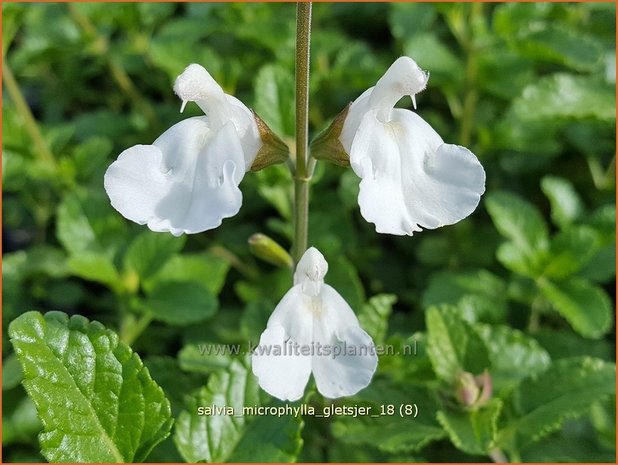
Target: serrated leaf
<point>472,432</point>
<point>96,400</point>
<point>150,251</point>
<point>566,390</point>
<point>566,204</point>
<point>181,302</point>
<point>373,316</point>
<point>453,345</point>
<point>566,96</point>
<point>391,433</point>
<point>585,306</point>
<point>512,354</point>
<point>213,438</point>
<point>274,99</point>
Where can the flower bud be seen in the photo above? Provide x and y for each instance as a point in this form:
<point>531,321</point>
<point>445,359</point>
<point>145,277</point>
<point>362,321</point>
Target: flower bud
<point>327,145</point>
<point>273,150</point>
<point>268,250</point>
<point>473,391</point>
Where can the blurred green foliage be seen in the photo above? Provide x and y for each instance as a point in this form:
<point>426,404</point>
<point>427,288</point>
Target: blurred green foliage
<point>522,288</point>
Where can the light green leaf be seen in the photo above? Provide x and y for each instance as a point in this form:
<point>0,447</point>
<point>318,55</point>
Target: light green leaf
<point>181,302</point>
<point>205,357</point>
<point>270,439</point>
<point>274,99</point>
<point>22,424</point>
<point>472,432</point>
<point>373,316</point>
<point>571,249</point>
<point>150,251</point>
<point>452,344</point>
<point>213,438</point>
<point>430,53</point>
<point>87,223</point>
<point>585,306</point>
<point>342,275</point>
<point>566,96</point>
<point>566,390</point>
<point>93,394</point>
<point>512,354</point>
<point>208,270</point>
<point>566,204</point>
<point>517,220</point>
<point>391,433</point>
<point>95,266</point>
<point>407,19</point>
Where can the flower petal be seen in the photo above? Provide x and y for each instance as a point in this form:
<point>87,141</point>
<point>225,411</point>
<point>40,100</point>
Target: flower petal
<point>186,182</point>
<point>290,328</point>
<point>283,376</point>
<point>410,178</point>
<point>352,360</point>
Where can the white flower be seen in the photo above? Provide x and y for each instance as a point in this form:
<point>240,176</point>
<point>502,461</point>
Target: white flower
<point>187,180</point>
<point>411,179</point>
<point>314,330</point>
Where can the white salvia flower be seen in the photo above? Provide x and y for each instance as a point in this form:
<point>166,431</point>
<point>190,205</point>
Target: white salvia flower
<point>411,179</point>
<point>313,330</point>
<point>187,180</point>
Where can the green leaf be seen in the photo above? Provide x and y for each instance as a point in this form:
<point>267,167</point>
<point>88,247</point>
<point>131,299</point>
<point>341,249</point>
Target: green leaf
<point>566,96</point>
<point>181,302</point>
<point>566,204</point>
<point>452,344</point>
<point>87,223</point>
<point>22,424</point>
<point>11,372</point>
<point>585,306</point>
<point>512,354</point>
<point>571,249</point>
<point>391,433</point>
<point>342,275</point>
<point>96,400</point>
<point>480,293</point>
<point>213,438</point>
<point>373,316</point>
<point>150,251</point>
<point>270,439</point>
<point>205,358</point>
<point>517,220</point>
<point>407,19</point>
<point>274,99</point>
<point>472,432</point>
<point>95,266</point>
<point>431,54</point>
<point>208,270</point>
<point>566,390</point>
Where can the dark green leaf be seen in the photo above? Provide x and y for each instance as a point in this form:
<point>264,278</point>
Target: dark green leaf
<point>150,251</point>
<point>274,99</point>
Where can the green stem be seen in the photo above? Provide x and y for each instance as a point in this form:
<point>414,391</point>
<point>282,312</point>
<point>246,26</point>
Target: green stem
<point>42,150</point>
<point>303,171</point>
<point>131,329</point>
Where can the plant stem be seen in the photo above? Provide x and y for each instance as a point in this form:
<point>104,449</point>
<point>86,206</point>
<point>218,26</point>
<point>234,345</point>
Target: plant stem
<point>42,150</point>
<point>131,329</point>
<point>303,171</point>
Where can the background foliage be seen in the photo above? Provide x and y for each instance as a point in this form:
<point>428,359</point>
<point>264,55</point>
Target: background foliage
<point>522,288</point>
